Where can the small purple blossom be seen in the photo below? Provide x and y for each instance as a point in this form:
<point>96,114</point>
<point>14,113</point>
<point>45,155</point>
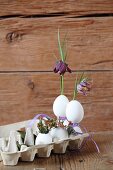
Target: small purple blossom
<point>84,86</point>
<point>61,67</point>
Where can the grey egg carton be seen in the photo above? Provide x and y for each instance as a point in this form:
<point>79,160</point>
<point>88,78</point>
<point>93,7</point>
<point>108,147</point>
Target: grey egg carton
<point>29,153</point>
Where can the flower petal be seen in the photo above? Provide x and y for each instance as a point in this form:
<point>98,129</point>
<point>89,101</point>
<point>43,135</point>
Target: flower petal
<point>69,70</point>
<point>55,71</point>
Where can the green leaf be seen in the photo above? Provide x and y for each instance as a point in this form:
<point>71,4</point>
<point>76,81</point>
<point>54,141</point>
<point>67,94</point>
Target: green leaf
<point>81,78</point>
<point>65,56</point>
<point>71,131</point>
<point>42,128</point>
<point>64,47</point>
<point>60,47</point>
<point>18,145</point>
<point>22,133</point>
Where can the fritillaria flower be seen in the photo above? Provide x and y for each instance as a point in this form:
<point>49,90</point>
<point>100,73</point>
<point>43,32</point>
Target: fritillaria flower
<point>84,86</point>
<point>61,67</point>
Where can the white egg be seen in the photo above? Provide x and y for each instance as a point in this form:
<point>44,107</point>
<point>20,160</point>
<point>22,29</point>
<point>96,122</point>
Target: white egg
<point>74,111</point>
<point>59,105</point>
<point>59,133</point>
<point>43,139</point>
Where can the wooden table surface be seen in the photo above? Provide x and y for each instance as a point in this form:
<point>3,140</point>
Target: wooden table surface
<point>86,159</point>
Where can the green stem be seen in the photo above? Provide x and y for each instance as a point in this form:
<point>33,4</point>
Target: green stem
<point>75,88</point>
<point>62,84</point>
<point>74,95</point>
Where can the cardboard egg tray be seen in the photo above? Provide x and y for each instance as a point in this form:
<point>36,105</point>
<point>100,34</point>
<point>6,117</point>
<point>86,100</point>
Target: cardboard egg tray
<point>58,147</point>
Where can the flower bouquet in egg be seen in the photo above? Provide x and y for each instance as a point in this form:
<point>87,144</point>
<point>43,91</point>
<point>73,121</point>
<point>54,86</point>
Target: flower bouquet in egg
<point>44,134</point>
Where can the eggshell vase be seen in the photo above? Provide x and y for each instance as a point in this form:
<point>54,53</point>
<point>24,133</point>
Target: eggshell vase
<point>59,106</point>
<point>35,128</point>
<point>43,139</point>
<point>58,133</point>
<point>74,111</point>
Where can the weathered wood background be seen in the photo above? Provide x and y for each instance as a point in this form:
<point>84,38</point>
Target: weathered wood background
<point>28,39</point>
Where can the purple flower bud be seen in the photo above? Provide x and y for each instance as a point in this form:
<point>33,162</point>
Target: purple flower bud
<point>61,68</point>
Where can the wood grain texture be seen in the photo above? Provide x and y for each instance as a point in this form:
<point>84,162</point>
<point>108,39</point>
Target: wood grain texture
<point>28,39</point>
<point>86,159</point>
<point>29,44</point>
<point>22,95</point>
<point>53,7</point>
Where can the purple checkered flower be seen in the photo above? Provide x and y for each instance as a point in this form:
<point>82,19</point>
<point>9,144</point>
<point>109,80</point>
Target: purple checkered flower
<point>84,86</point>
<point>61,67</point>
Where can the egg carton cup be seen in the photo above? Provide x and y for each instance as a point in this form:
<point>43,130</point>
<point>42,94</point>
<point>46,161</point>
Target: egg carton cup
<point>42,150</point>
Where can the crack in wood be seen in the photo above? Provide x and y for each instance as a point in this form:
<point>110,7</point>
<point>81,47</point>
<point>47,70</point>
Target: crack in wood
<point>50,71</point>
<point>57,14</point>
<point>101,62</point>
<point>35,15</point>
<point>96,15</point>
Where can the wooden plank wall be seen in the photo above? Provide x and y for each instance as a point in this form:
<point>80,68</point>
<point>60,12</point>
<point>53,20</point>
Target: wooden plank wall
<point>28,39</point>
